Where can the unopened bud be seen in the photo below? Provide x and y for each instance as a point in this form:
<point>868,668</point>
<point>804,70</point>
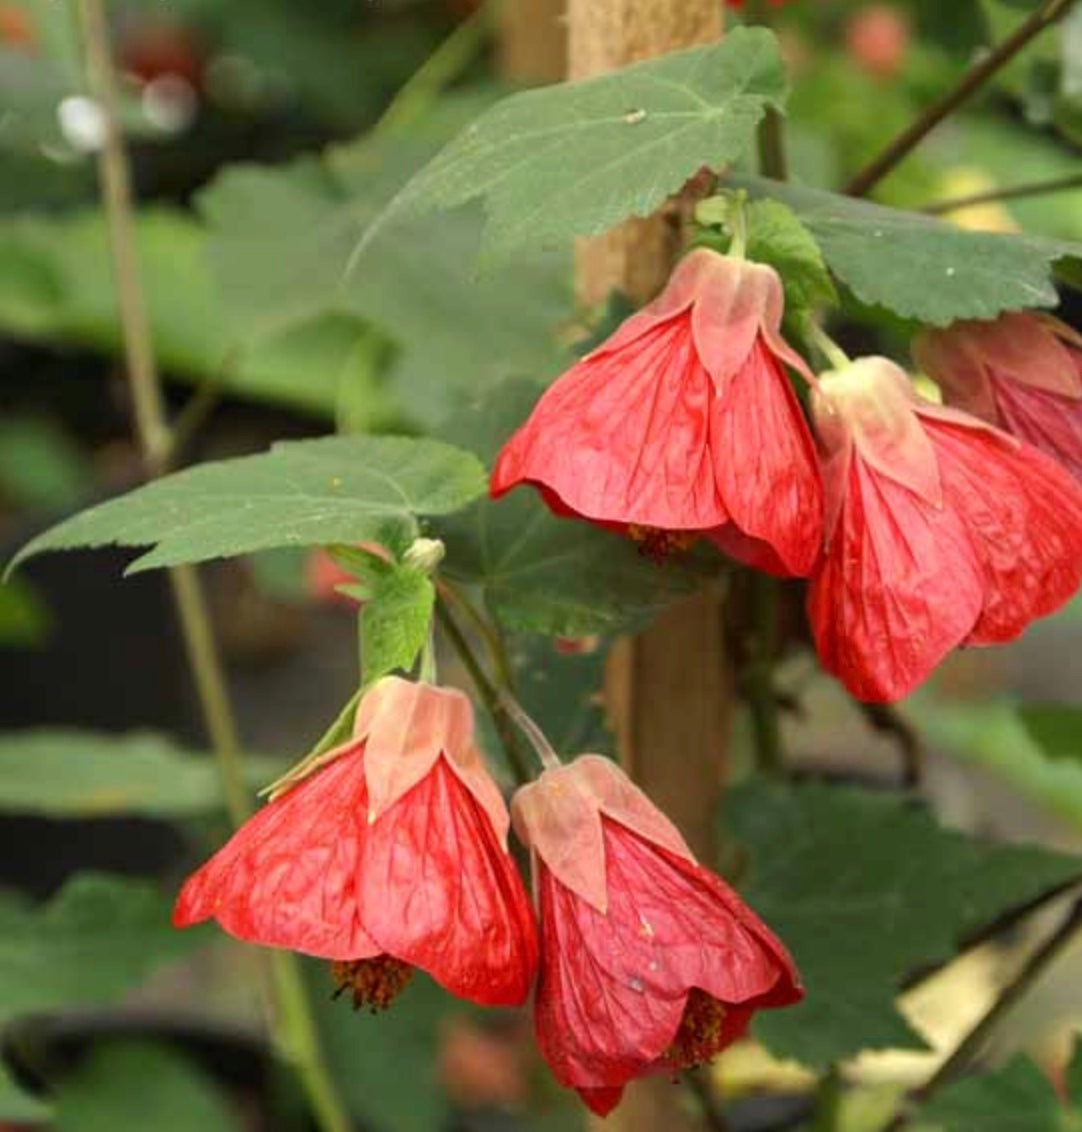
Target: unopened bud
<point>425,554</point>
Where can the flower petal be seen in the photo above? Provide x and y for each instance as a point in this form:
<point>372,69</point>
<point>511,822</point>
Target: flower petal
<point>898,588</point>
<point>623,437</point>
<point>767,469</point>
<point>1024,514</point>
<point>438,890</point>
<point>288,876</point>
<point>1046,420</point>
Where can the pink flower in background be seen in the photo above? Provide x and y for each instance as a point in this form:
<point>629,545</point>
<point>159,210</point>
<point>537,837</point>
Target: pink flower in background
<point>1022,372</point>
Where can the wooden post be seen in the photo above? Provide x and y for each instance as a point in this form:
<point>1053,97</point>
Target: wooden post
<point>533,41</point>
<point>669,690</point>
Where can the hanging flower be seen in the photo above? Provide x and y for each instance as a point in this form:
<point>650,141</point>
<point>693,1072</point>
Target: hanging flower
<point>649,962</point>
<point>684,423</point>
<point>941,531</point>
<point>392,855</point>
<point>1022,372</point>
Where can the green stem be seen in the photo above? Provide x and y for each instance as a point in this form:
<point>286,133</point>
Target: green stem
<point>490,696</point>
<point>1013,192</point>
<point>971,1045</point>
<point>295,1027</point>
<point>698,1082</point>
<point>826,345</point>
<point>971,82</point>
<point>206,667</point>
<point>772,157</point>
<point>494,642</point>
<point>298,1040</point>
<point>440,69</point>
<point>828,1100</point>
<point>761,692</point>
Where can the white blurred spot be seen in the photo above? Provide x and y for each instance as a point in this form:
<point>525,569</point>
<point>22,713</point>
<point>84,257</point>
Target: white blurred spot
<point>170,103</point>
<point>82,123</point>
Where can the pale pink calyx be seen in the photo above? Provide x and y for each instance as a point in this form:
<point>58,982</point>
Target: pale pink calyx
<point>406,727</point>
<point>559,817</point>
<point>868,410</point>
<point>733,303</point>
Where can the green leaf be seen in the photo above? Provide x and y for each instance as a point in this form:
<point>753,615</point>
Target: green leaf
<point>123,1086</point>
<point>415,282</point>
<point>994,737</point>
<point>866,888</point>
<point>1016,1098</point>
<point>59,773</point>
<point>1056,728</point>
<point>577,158</point>
<point>387,1064</point>
<point>98,938</point>
<point>309,492</point>
<point>776,236</point>
<point>395,620</point>
<point>25,619</point>
<point>1074,1074</point>
<point>541,574</point>
<point>56,285</point>
<point>40,467</point>
<point>919,267</point>
<point>16,1104</point>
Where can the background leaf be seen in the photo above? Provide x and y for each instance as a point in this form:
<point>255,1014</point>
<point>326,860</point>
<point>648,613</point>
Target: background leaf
<point>61,773</point>
<point>866,888</point>
<point>310,492</point>
<point>451,330</point>
<point>16,1104</point>
<point>99,937</point>
<point>577,158</point>
<point>994,736</point>
<point>1056,728</point>
<point>128,1086</point>
<point>919,267</point>
<point>387,1064</point>
<point>1016,1098</point>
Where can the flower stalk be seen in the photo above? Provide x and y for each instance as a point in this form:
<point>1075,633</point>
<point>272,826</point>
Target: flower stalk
<point>488,691</point>
<point>295,1026</point>
<point>984,69</point>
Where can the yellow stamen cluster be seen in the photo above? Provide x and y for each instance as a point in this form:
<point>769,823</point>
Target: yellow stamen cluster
<point>374,983</point>
<point>657,543</point>
<point>699,1039</point>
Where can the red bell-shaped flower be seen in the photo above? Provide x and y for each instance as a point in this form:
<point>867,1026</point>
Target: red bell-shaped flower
<point>941,531</point>
<point>393,855</point>
<point>684,423</point>
<point>1022,372</point>
<point>649,963</point>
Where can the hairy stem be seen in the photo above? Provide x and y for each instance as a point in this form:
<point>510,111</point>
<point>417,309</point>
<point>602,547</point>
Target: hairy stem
<point>1011,192</point>
<point>972,81</point>
<point>294,1022</point>
<point>970,1046</point>
<point>489,693</point>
